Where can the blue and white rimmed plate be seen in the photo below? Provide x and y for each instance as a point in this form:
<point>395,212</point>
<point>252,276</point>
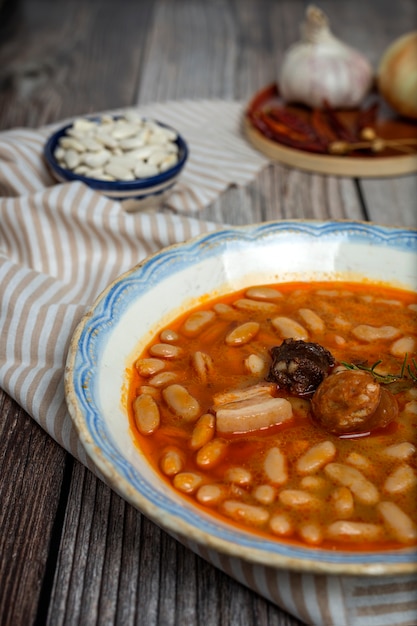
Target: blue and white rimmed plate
<point>143,300</point>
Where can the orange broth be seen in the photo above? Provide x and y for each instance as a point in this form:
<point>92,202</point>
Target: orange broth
<point>341,306</point>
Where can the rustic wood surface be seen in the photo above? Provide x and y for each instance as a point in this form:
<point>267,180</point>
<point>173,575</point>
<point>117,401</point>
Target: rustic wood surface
<point>71,551</point>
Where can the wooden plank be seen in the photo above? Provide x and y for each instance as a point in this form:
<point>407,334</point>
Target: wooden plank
<point>73,57</point>
<point>31,470</point>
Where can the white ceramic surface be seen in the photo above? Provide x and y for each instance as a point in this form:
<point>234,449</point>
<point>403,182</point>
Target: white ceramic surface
<point>146,298</point>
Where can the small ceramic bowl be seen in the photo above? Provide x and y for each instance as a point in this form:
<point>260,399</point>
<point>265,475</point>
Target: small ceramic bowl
<point>319,586</point>
<point>135,194</point>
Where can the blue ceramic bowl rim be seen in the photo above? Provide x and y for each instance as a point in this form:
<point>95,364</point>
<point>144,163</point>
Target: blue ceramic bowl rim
<point>131,185</point>
<point>88,340</point>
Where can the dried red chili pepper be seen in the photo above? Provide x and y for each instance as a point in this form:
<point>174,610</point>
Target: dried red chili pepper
<point>281,133</point>
<point>322,127</point>
<point>292,121</point>
<point>342,131</point>
<point>263,96</point>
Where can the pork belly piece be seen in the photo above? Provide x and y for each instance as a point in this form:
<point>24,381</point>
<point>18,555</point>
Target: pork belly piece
<point>245,410</point>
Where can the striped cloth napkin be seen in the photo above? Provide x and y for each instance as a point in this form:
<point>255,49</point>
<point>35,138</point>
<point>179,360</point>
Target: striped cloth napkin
<point>62,244</point>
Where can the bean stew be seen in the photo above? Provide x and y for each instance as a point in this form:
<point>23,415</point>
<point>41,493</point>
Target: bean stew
<point>289,410</point>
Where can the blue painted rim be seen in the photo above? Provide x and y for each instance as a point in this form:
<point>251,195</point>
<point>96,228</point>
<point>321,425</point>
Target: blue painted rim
<point>110,306</point>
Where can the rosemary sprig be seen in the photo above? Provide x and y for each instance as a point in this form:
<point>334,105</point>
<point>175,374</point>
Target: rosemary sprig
<point>406,372</point>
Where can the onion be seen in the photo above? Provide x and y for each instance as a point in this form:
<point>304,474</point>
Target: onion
<point>397,75</point>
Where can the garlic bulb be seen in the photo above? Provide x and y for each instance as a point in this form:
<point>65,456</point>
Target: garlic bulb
<point>397,75</point>
<point>320,68</point>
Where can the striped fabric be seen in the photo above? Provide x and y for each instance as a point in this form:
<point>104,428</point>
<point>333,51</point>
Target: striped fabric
<point>62,244</point>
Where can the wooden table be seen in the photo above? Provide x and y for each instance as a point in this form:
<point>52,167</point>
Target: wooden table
<point>71,551</point>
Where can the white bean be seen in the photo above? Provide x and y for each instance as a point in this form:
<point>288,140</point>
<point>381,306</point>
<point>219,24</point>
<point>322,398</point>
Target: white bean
<point>347,530</point>
<point>181,402</point>
<point>238,475</point>
<point>363,490</point>
<point>403,346</point>
<point>146,412</point>
<point>280,524</point>
<point>246,304</point>
<point>401,451</point>
<point>368,333</point>
<point>263,293</point>
<point>289,328</point>
<point>165,351</point>
<point>313,322</point>
<point>211,494</point>
<point>248,513</point>
<point>275,466</point>
<point>203,431</point>
<point>265,494</point>
<point>211,453</point>
<point>299,499</point>
<point>400,480</point>
<point>148,367</point>
<point>316,457</point>
<point>188,482</point>
<point>242,334</point>
<point>196,322</point>
<point>398,522</point>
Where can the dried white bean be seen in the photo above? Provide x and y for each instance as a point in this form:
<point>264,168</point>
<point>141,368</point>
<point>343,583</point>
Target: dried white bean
<point>316,457</point>
<point>165,350</point>
<point>211,494</point>
<point>263,293</point>
<point>313,322</point>
<point>347,530</point>
<point>203,365</point>
<point>298,498</point>
<point>146,412</point>
<point>401,451</point>
<point>311,533</point>
<point>367,333</point>
<point>363,490</point>
<point>203,431</point>
<point>398,522</point>
<point>146,148</point>
<point>250,514</point>
<point>255,364</point>
<point>187,482</point>
<point>238,475</point>
<point>246,304</point>
<point>242,334</point>
<point>172,461</point>
<point>181,402</point>
<point>149,367</point>
<point>342,501</point>
<point>265,494</point>
<point>401,479</point>
<point>168,335</point>
<point>280,524</point>
<point>403,346</point>
<point>275,466</point>
<point>196,322</point>
<point>211,453</point>
<point>289,328</point>
<point>161,379</point>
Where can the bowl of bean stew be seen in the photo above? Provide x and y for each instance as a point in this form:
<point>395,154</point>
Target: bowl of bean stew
<point>125,157</point>
<point>253,391</point>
